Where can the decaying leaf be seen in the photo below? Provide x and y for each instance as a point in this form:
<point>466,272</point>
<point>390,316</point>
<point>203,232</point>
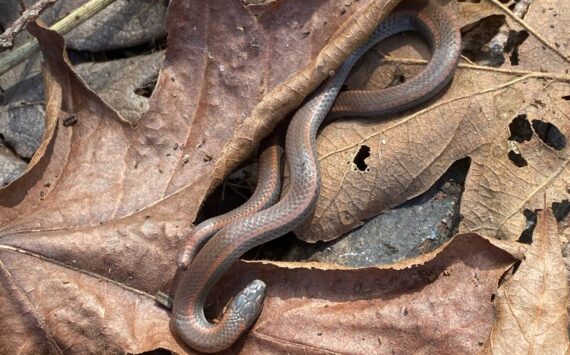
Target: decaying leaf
<point>547,49</point>
<point>105,201</point>
<point>408,154</point>
<point>49,307</point>
<point>531,306</point>
<point>475,117</point>
<point>515,173</point>
<point>288,92</point>
<point>439,303</point>
<point>90,232</point>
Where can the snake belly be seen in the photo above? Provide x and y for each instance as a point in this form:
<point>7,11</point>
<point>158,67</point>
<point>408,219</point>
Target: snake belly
<point>298,202</point>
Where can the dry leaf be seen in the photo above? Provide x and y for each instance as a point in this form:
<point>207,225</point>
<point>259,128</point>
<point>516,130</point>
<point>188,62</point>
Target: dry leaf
<point>50,307</point>
<point>499,189</point>
<point>475,117</point>
<point>531,306</point>
<point>89,233</point>
<point>439,303</point>
<point>92,227</point>
<point>547,49</point>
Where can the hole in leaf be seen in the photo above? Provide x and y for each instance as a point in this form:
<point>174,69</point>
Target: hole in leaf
<point>146,89</point>
<point>517,159</point>
<point>398,78</point>
<point>561,209</point>
<point>566,97</point>
<point>514,41</point>
<point>359,159</point>
<point>549,134</point>
<point>526,235</point>
<point>476,38</point>
<point>520,129</point>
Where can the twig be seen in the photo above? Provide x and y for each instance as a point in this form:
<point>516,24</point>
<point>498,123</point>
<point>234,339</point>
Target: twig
<point>75,18</point>
<point>29,15</point>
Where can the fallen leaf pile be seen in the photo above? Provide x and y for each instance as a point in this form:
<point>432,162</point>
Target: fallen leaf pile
<point>89,233</point>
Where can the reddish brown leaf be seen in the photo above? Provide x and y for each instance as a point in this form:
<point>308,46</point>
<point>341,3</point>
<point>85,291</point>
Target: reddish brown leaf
<point>440,303</point>
<point>90,232</point>
<point>50,307</point>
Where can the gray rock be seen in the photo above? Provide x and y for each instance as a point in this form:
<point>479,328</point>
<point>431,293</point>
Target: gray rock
<point>8,12</point>
<point>22,111</point>
<point>21,126</point>
<point>125,23</point>
<point>11,166</point>
<point>414,228</point>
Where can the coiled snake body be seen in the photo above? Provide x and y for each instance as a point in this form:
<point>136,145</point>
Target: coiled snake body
<point>245,232</point>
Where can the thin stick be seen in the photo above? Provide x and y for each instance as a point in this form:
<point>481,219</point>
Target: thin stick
<point>75,18</point>
<point>29,15</point>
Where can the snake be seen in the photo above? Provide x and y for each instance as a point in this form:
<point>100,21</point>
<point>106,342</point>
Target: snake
<point>222,245</point>
<point>266,194</point>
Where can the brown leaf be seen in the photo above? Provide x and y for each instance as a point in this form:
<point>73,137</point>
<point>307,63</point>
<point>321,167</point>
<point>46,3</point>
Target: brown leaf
<point>288,92</point>
<point>436,304</point>
<point>91,230</point>
<point>499,189</point>
<point>531,306</point>
<point>89,233</point>
<point>369,166</point>
<point>48,306</point>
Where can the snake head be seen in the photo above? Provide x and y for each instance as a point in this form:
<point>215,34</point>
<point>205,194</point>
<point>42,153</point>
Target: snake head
<point>238,316</point>
<point>247,304</point>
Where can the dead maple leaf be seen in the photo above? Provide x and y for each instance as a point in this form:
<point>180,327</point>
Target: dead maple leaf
<point>547,49</point>
<point>439,303</point>
<point>531,306</point>
<point>90,232</point>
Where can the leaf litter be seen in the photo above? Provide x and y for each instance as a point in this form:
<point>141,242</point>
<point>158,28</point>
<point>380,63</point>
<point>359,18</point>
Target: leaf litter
<point>90,231</point>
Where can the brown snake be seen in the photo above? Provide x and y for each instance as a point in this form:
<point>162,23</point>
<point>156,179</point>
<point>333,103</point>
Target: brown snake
<point>261,223</point>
